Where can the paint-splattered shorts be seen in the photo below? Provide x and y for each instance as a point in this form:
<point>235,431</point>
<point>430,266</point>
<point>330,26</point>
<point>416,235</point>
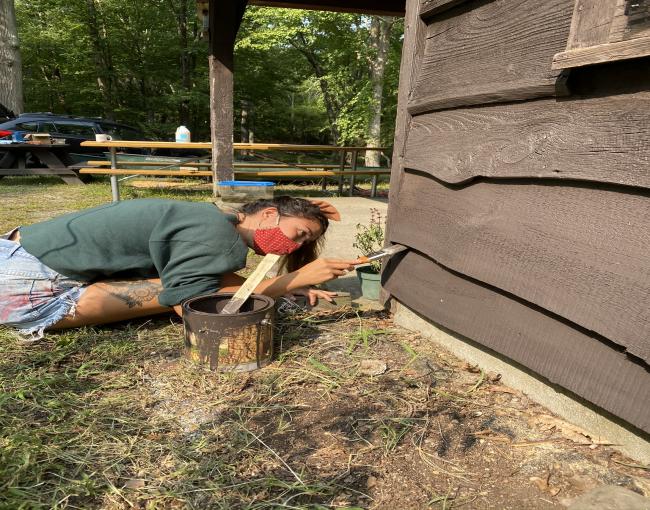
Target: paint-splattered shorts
<point>33,296</point>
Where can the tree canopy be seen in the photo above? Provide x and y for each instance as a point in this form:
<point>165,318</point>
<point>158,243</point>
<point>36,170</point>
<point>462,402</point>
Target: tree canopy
<point>300,76</point>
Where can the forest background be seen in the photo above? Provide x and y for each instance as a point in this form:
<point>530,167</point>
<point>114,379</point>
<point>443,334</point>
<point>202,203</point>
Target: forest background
<point>300,76</point>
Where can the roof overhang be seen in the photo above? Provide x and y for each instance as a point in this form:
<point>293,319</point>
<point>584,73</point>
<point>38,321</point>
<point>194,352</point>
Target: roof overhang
<point>378,7</point>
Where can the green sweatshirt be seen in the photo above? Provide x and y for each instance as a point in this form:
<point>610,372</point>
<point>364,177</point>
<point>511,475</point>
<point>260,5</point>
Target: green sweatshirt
<point>188,245</point>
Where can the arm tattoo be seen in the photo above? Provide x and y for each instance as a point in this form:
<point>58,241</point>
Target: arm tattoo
<point>134,293</point>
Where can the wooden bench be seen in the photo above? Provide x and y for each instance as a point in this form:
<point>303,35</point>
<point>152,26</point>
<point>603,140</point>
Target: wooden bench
<point>102,163</point>
<point>101,170</point>
<point>135,168</point>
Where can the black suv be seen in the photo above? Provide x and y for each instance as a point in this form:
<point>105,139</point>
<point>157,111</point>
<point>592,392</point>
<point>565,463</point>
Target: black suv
<point>74,129</point>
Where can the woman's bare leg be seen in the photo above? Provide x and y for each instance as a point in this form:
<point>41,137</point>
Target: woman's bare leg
<point>114,301</point>
<point>120,300</point>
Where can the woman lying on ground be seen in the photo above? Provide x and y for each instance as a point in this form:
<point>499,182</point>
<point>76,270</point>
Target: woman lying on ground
<point>143,257</point>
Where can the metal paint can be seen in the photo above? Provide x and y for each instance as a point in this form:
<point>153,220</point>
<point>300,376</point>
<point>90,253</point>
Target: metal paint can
<point>239,342</point>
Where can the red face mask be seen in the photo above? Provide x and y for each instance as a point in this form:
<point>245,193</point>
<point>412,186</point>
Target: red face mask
<point>273,240</point>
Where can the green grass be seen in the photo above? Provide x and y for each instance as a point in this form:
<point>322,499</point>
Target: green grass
<point>30,199</point>
<point>79,430</point>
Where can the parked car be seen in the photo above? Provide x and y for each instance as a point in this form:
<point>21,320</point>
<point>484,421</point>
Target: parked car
<point>73,129</point>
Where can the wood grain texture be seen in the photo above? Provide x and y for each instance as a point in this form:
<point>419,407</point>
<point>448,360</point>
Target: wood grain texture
<point>602,139</point>
<point>412,51</point>
<point>597,22</point>
<point>430,8</point>
<point>580,252</point>
<point>631,20</point>
<point>591,23</point>
<point>605,31</point>
<point>486,51</point>
<point>565,355</point>
<point>602,53</point>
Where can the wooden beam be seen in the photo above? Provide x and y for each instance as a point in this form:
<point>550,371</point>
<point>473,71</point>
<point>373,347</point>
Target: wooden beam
<point>429,8</point>
<point>602,53</point>
<point>225,18</point>
<point>377,7</point>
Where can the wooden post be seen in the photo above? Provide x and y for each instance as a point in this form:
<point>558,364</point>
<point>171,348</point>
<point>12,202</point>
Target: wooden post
<point>353,168</point>
<point>341,168</point>
<point>225,18</point>
<point>115,187</point>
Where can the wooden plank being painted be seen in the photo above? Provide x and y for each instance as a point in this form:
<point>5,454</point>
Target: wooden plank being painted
<point>491,52</point>
<point>564,354</point>
<point>580,252</point>
<point>602,139</point>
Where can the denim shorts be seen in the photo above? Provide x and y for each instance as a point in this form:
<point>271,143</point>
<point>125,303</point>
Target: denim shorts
<point>33,296</point>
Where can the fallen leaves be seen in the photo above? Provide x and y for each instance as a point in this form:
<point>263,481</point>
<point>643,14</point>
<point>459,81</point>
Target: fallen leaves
<point>372,367</point>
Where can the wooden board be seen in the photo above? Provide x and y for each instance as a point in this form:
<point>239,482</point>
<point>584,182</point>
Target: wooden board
<point>564,354</point>
<point>430,8</point>
<point>602,139</point>
<point>602,53</point>
<point>207,165</point>
<point>137,144</point>
<point>251,283</point>
<point>412,52</point>
<point>606,31</point>
<point>577,251</point>
<point>491,52</point>
<point>243,173</point>
<point>376,7</point>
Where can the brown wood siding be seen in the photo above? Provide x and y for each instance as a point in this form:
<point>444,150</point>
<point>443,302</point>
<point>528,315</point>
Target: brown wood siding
<point>487,51</point>
<point>575,359</point>
<point>606,31</point>
<point>580,252</point>
<point>601,139</point>
<point>529,221</point>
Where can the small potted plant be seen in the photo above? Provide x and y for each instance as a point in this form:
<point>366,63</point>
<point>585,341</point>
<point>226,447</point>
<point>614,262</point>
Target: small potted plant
<point>370,238</point>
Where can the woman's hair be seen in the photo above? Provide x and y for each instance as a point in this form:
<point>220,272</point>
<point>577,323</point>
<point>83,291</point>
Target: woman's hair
<point>298,208</point>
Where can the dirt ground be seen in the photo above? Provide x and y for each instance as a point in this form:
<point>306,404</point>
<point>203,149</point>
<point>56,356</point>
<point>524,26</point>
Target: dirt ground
<point>388,420</point>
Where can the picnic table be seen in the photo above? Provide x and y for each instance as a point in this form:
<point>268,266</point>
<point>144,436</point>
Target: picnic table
<point>55,157</point>
<point>340,170</point>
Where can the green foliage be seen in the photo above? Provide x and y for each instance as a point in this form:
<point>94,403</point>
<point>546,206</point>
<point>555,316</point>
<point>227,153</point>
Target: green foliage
<point>124,62</point>
<point>370,238</point>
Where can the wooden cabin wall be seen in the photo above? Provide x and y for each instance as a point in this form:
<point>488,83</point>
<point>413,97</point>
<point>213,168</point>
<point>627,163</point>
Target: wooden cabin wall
<point>524,195</point>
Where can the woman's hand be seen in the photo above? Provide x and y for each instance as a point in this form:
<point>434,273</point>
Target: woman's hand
<point>314,273</point>
<point>323,270</point>
<point>313,295</point>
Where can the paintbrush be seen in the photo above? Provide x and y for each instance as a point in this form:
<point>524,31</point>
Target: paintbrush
<point>388,251</point>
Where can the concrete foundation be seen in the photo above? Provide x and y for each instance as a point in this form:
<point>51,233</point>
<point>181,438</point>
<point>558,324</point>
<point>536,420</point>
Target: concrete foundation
<point>602,425</point>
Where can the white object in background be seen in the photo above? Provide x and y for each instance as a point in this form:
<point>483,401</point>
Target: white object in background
<point>99,137</point>
<point>182,135</point>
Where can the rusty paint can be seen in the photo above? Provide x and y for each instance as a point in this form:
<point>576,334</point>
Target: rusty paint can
<point>239,342</point>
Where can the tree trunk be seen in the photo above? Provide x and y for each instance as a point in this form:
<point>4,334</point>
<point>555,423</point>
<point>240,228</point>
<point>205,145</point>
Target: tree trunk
<point>380,27</point>
<point>243,124</point>
<point>331,105</point>
<point>11,74</point>
<point>182,16</point>
<point>103,59</point>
